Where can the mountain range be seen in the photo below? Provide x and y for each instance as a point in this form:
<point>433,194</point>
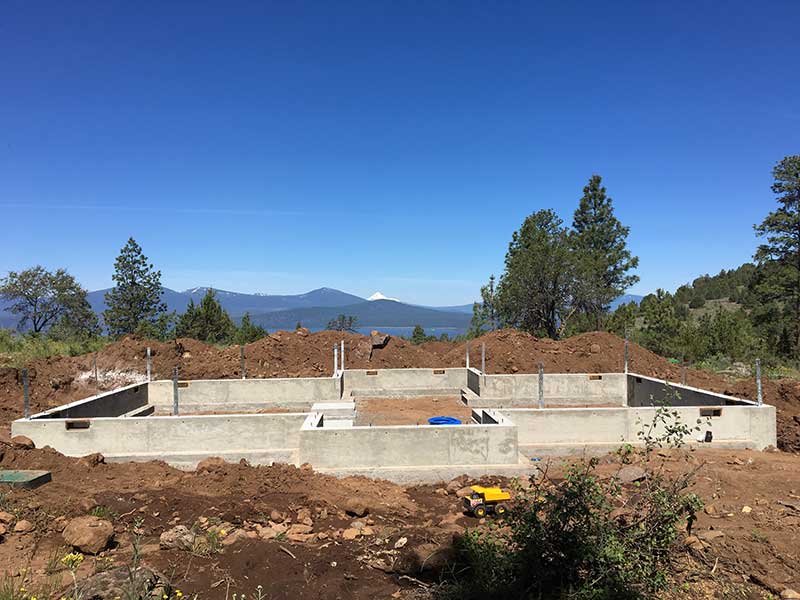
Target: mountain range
<point>314,309</point>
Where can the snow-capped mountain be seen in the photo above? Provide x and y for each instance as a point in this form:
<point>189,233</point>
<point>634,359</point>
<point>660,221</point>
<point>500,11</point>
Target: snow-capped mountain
<point>379,296</point>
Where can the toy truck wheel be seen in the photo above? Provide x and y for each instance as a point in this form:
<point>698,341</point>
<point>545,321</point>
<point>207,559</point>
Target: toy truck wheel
<point>479,511</point>
<point>500,509</point>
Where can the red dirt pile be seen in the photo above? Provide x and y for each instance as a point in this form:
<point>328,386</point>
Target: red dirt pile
<point>58,380</point>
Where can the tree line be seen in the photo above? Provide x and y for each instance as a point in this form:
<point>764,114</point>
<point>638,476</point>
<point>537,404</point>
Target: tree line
<point>560,281</point>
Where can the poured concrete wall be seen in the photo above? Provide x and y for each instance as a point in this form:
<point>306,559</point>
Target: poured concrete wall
<point>109,404</point>
<point>562,389</point>
<point>230,395</point>
<point>404,379</point>
<point>474,380</point>
<point>648,391</point>
<point>156,437</point>
<point>409,446</point>
<point>745,426</point>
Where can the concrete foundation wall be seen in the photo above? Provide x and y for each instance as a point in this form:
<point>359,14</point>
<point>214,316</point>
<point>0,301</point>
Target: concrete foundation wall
<point>474,380</point>
<point>559,388</point>
<point>400,379</point>
<point>409,446</point>
<point>231,395</point>
<point>108,404</point>
<point>750,426</point>
<point>139,436</point>
<point>648,391</point>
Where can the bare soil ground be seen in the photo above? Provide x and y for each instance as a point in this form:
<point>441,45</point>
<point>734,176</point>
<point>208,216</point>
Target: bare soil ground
<point>414,410</point>
<point>748,531</point>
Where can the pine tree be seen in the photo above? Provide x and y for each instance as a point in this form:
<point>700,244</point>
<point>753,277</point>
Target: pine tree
<point>780,283</point>
<point>418,335</point>
<point>136,295</point>
<point>248,332</point>
<point>484,313</point>
<point>213,323</point>
<point>537,290</point>
<point>600,245</point>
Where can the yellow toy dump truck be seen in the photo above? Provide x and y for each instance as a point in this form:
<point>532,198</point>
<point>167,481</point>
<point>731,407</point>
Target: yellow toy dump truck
<point>485,500</point>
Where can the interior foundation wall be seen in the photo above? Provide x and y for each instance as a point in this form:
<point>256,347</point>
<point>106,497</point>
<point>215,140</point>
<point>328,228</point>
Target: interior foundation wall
<point>562,389</point>
<point>648,391</point>
<point>108,404</point>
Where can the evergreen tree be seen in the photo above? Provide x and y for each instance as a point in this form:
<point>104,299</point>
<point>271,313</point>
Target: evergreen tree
<point>484,313</point>
<point>537,291</point>
<point>342,323</point>
<point>248,332</point>
<point>418,335</point>
<point>136,295</point>
<point>660,323</point>
<point>208,322</point>
<point>779,284</point>
<point>600,245</point>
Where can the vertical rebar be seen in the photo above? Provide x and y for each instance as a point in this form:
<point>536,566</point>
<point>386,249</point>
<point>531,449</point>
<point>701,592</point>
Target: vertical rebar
<point>341,357</point>
<point>148,364</point>
<point>626,352</point>
<point>96,379</point>
<point>241,362</point>
<point>175,391</point>
<point>683,373</point>
<point>26,393</point>
<point>483,358</point>
<point>335,360</point>
<point>467,354</point>
<point>541,385</point>
<point>759,394</point>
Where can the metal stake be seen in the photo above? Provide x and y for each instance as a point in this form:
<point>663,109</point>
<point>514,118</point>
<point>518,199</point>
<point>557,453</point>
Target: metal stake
<point>175,391</point>
<point>241,362</point>
<point>341,360</point>
<point>626,352</point>
<point>335,360</point>
<point>467,354</point>
<point>683,374</point>
<point>26,393</point>
<point>148,364</point>
<point>483,357</point>
<point>541,385</point>
<point>759,394</point>
<point>96,379</point>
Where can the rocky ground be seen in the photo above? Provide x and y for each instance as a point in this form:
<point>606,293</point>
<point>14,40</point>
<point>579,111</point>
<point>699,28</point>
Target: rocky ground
<point>227,529</point>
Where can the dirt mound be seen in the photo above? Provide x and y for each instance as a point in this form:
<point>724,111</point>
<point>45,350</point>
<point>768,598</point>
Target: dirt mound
<point>57,380</point>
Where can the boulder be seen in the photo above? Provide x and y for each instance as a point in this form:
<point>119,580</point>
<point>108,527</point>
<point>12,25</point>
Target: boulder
<point>6,517</point>
<point>179,537</point>
<point>631,474</point>
<point>21,441</point>
<point>212,463</point>
<point>378,339</point>
<point>88,534</point>
<point>789,594</point>
<point>3,530</point>
<point>350,534</point>
<point>355,508</point>
<point>23,527</point>
<point>298,528</point>
<point>92,460</point>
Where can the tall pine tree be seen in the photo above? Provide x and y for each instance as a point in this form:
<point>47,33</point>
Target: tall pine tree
<point>602,256</point>
<point>777,285</point>
<point>136,295</point>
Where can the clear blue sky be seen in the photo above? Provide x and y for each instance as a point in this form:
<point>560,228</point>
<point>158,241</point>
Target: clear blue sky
<point>392,146</point>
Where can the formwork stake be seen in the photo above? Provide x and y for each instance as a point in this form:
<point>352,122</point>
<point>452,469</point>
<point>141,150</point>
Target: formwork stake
<point>26,393</point>
<point>335,360</point>
<point>467,354</point>
<point>541,385</point>
<point>241,361</point>
<point>148,364</point>
<point>483,358</point>
<point>175,391</point>
<point>759,395</point>
<point>341,359</point>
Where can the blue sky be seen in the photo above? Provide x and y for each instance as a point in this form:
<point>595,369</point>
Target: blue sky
<point>392,146</point>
